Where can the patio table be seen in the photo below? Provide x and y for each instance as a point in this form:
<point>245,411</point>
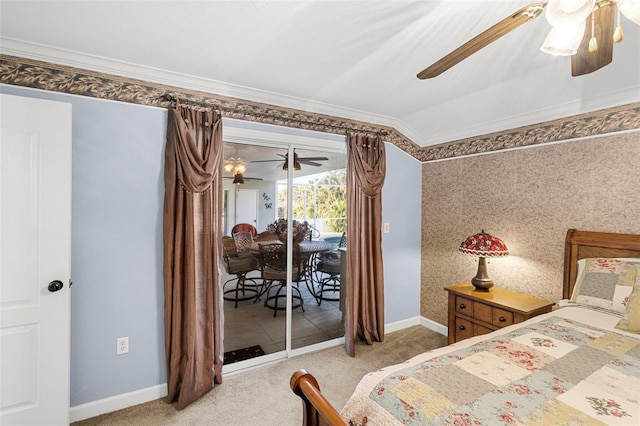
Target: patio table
<point>309,249</point>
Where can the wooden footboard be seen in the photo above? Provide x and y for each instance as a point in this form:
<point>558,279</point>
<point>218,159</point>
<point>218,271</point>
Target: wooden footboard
<point>316,410</point>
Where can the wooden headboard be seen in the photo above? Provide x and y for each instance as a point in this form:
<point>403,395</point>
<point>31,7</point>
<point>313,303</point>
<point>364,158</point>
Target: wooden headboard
<point>583,244</point>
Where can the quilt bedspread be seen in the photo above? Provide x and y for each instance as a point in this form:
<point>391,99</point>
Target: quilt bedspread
<point>556,371</point>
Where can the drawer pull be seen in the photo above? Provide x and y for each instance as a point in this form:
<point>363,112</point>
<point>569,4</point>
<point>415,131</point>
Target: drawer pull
<point>502,319</point>
<point>462,306</point>
<point>462,327</point>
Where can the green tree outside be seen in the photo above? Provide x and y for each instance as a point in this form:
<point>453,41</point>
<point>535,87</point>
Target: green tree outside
<point>330,194</point>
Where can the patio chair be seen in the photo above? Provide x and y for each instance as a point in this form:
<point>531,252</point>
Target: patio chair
<point>273,258</point>
<point>328,273</point>
<point>239,263</point>
<point>244,227</point>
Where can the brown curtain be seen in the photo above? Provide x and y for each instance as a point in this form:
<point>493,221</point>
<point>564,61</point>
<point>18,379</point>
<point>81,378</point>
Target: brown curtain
<point>365,275</point>
<point>192,247</point>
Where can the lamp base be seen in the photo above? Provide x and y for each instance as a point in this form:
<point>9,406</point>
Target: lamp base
<point>481,281</point>
<point>482,284</point>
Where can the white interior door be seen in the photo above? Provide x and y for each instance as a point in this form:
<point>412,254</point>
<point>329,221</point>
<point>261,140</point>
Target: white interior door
<point>35,250</point>
<point>247,206</point>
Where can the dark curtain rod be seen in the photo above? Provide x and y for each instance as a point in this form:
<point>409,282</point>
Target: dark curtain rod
<point>167,97</point>
<point>200,104</point>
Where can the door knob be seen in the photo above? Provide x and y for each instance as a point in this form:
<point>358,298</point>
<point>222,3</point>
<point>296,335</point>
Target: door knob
<point>55,286</point>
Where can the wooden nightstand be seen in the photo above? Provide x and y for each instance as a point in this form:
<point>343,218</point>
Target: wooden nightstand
<point>473,312</point>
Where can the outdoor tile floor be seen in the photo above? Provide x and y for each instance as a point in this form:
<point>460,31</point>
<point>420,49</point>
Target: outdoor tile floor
<point>253,324</point>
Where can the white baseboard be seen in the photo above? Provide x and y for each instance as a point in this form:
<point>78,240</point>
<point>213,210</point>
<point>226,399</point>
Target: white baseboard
<point>118,402</point>
<point>399,325</point>
<point>417,320</point>
<point>435,326</point>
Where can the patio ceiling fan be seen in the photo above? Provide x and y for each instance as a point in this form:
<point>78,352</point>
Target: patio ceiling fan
<point>239,179</point>
<point>582,29</point>
<point>297,161</point>
<point>238,167</point>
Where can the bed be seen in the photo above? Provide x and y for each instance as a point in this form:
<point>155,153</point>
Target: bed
<point>579,364</point>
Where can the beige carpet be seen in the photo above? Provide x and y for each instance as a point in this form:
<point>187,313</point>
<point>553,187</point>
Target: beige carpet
<point>261,396</point>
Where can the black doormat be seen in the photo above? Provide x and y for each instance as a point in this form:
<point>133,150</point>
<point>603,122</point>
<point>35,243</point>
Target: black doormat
<point>242,354</point>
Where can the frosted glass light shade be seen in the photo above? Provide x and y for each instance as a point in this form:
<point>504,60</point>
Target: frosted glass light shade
<point>568,12</point>
<point>630,9</point>
<point>564,40</point>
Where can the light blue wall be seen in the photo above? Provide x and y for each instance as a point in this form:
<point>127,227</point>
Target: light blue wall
<point>402,210</point>
<point>116,245</point>
<point>116,254</point>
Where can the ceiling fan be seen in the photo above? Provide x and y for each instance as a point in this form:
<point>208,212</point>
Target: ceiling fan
<point>582,29</point>
<point>238,167</point>
<point>239,179</point>
<point>297,161</point>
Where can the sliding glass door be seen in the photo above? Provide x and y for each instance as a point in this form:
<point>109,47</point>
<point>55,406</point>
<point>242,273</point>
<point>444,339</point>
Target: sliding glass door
<point>318,198</point>
<point>288,295</point>
<point>250,328</point>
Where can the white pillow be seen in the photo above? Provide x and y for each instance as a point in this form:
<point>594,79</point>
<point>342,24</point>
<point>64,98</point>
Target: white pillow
<point>605,283</point>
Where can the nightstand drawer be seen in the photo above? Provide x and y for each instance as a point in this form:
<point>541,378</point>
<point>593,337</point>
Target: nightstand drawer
<point>482,312</point>
<point>464,329</point>
<point>479,329</point>
<point>501,318</point>
<point>464,306</point>
<point>491,315</point>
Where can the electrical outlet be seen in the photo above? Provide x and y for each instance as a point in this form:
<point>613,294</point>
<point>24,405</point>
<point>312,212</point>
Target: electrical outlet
<point>122,345</point>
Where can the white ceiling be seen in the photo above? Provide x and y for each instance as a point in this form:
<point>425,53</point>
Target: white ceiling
<point>356,59</point>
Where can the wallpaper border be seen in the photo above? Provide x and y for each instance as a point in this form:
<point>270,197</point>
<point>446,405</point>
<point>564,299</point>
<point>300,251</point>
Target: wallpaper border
<point>64,79</point>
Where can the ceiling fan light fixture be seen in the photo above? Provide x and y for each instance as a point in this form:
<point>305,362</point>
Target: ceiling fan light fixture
<point>235,165</point>
<point>630,9</point>
<point>568,12</point>
<point>296,163</point>
<point>296,166</point>
<point>563,40</point>
<point>238,179</point>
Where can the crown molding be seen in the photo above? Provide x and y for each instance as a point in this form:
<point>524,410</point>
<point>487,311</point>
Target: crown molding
<point>99,64</point>
<point>568,109</point>
<point>25,72</point>
<point>597,123</point>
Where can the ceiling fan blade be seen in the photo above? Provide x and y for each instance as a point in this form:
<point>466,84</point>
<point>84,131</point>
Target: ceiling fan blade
<point>310,163</point>
<point>267,161</point>
<point>313,158</point>
<point>584,62</point>
<point>482,40</point>
<point>243,177</point>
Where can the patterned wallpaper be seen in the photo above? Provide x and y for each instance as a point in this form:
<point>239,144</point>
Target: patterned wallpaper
<point>528,198</point>
<point>58,78</point>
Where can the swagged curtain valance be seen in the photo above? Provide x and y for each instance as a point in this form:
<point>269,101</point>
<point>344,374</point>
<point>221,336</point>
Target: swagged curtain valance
<point>192,245</point>
<point>366,171</point>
